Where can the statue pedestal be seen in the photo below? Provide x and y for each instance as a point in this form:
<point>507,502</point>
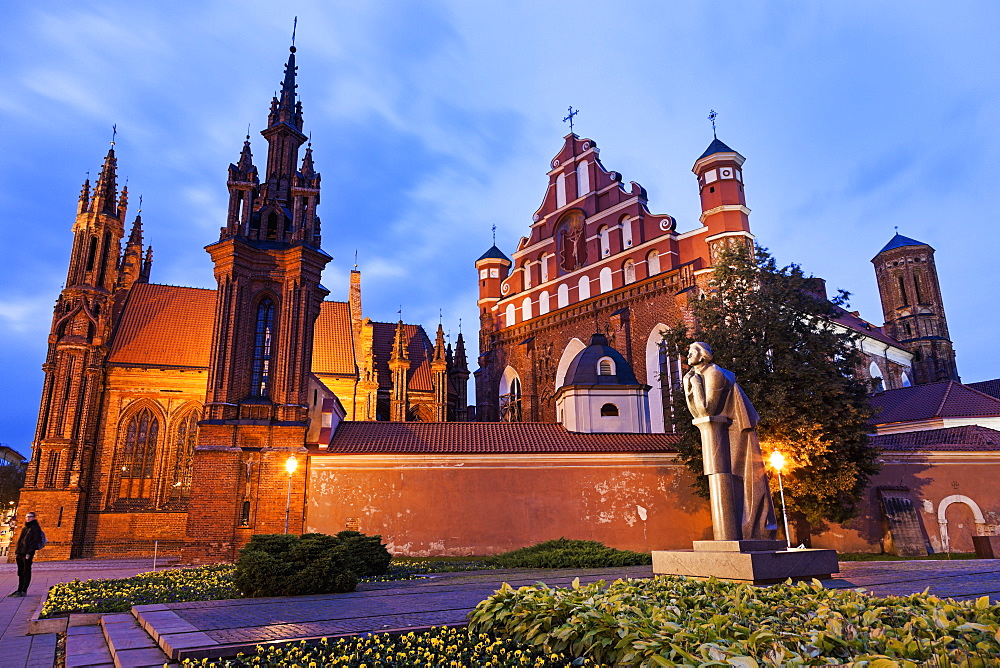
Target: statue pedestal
<point>753,561</point>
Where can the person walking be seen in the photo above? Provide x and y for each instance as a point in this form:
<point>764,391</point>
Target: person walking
<point>31,540</point>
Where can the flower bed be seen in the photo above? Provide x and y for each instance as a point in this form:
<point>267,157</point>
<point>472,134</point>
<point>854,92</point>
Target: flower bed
<point>203,583</point>
<point>431,649</point>
<point>670,620</point>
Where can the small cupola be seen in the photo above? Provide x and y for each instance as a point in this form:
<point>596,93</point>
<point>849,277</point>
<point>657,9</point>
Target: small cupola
<point>601,393</point>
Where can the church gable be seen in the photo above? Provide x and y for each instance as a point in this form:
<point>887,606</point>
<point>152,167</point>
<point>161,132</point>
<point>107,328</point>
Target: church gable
<point>419,352</point>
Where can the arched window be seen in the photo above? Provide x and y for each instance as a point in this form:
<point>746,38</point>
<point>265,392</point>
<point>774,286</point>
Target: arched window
<point>609,410</point>
<point>510,396</point>
<point>526,309</point>
<point>272,225</point>
<point>185,438</point>
<point>902,292</point>
<point>878,382</point>
<point>605,367</point>
<point>526,270</point>
<point>604,235</point>
<point>560,191</point>
<point>628,271</point>
<point>92,254</point>
<point>626,224</point>
<point>545,268</point>
<point>584,288</point>
<point>104,258</point>
<point>135,472</point>
<point>582,179</point>
<point>653,262</point>
<point>562,295</point>
<point>510,316</point>
<point>263,346</point>
<point>605,277</point>
<point>543,302</point>
<point>905,380</point>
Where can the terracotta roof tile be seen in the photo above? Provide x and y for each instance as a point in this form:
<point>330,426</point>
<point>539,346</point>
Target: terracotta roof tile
<point>969,437</point>
<point>943,399</point>
<point>333,343</point>
<point>164,325</point>
<point>990,387</point>
<point>418,349</point>
<point>486,437</point>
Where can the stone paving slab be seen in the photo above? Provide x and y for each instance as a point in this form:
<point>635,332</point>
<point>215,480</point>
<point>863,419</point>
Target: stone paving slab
<point>225,628</point>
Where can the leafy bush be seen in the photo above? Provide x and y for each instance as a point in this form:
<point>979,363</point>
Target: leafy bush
<point>564,553</point>
<point>204,583</point>
<point>671,620</point>
<point>314,563</point>
<point>437,647</point>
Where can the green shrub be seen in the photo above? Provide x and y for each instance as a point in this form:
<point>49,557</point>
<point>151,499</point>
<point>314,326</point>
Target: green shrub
<point>286,565</point>
<point>565,553</point>
<point>671,620</point>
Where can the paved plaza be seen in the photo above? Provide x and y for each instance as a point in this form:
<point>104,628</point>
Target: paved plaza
<point>154,633</point>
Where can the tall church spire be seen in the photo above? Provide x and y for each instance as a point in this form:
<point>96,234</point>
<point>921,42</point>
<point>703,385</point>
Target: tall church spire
<point>105,199</point>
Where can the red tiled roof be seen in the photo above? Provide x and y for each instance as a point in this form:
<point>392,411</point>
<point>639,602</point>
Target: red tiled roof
<point>171,326</point>
<point>418,349</point>
<point>968,437</point>
<point>486,437</point>
<point>990,387</point>
<point>934,400</point>
<point>859,324</point>
<point>165,325</point>
<point>333,342</point>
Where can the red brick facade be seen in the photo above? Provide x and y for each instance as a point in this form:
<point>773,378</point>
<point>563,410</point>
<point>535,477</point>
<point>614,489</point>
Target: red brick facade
<point>597,260</point>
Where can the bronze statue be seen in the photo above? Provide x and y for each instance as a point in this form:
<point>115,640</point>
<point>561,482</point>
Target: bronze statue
<point>739,494</point>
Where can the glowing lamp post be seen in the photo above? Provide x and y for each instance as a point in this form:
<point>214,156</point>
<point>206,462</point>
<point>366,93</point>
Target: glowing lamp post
<point>777,461</point>
<point>290,465</point>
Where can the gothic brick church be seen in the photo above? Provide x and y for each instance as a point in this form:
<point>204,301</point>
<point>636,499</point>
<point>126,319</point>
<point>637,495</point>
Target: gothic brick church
<point>162,404</point>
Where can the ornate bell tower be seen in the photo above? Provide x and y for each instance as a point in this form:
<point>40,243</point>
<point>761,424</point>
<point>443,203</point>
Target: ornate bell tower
<point>57,478</point>
<point>268,264</point>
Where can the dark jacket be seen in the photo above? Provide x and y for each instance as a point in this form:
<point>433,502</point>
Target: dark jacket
<point>31,538</point>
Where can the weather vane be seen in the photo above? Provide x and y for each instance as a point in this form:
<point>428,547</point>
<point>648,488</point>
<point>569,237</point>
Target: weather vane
<point>355,258</point>
<point>248,131</point>
<point>295,24</point>
<point>139,210</point>
<point>114,133</point>
<point>569,118</point>
<point>494,234</point>
<point>712,116</point>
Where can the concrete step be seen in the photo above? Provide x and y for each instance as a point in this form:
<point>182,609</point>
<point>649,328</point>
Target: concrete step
<point>130,645</point>
<point>86,647</point>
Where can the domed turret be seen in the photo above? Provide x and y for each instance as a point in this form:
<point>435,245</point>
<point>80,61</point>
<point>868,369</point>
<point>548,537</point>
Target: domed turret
<point>601,393</point>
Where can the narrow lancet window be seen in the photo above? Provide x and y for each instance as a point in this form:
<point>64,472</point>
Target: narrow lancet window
<point>263,346</point>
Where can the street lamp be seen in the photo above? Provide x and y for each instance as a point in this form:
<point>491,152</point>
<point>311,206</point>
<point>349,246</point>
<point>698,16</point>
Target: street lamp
<point>778,464</point>
<point>290,465</point>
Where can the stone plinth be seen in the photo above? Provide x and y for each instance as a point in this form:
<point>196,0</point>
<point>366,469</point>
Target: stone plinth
<point>754,561</point>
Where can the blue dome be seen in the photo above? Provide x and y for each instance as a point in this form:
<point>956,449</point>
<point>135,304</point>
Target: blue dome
<point>584,369</point>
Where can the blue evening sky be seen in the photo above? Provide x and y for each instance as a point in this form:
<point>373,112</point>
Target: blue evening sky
<point>432,121</point>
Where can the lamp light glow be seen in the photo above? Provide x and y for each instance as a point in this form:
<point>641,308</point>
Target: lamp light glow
<point>291,464</point>
<point>777,460</point>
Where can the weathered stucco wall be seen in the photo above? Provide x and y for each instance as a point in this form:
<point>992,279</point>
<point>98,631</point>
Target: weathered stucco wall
<point>957,487</point>
<point>426,505</point>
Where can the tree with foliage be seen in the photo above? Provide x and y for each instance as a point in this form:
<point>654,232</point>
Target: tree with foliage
<point>799,369</point>
<point>11,481</point>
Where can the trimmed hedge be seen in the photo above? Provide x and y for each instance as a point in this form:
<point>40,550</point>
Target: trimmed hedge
<point>287,565</point>
<point>565,553</point>
<point>670,621</point>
